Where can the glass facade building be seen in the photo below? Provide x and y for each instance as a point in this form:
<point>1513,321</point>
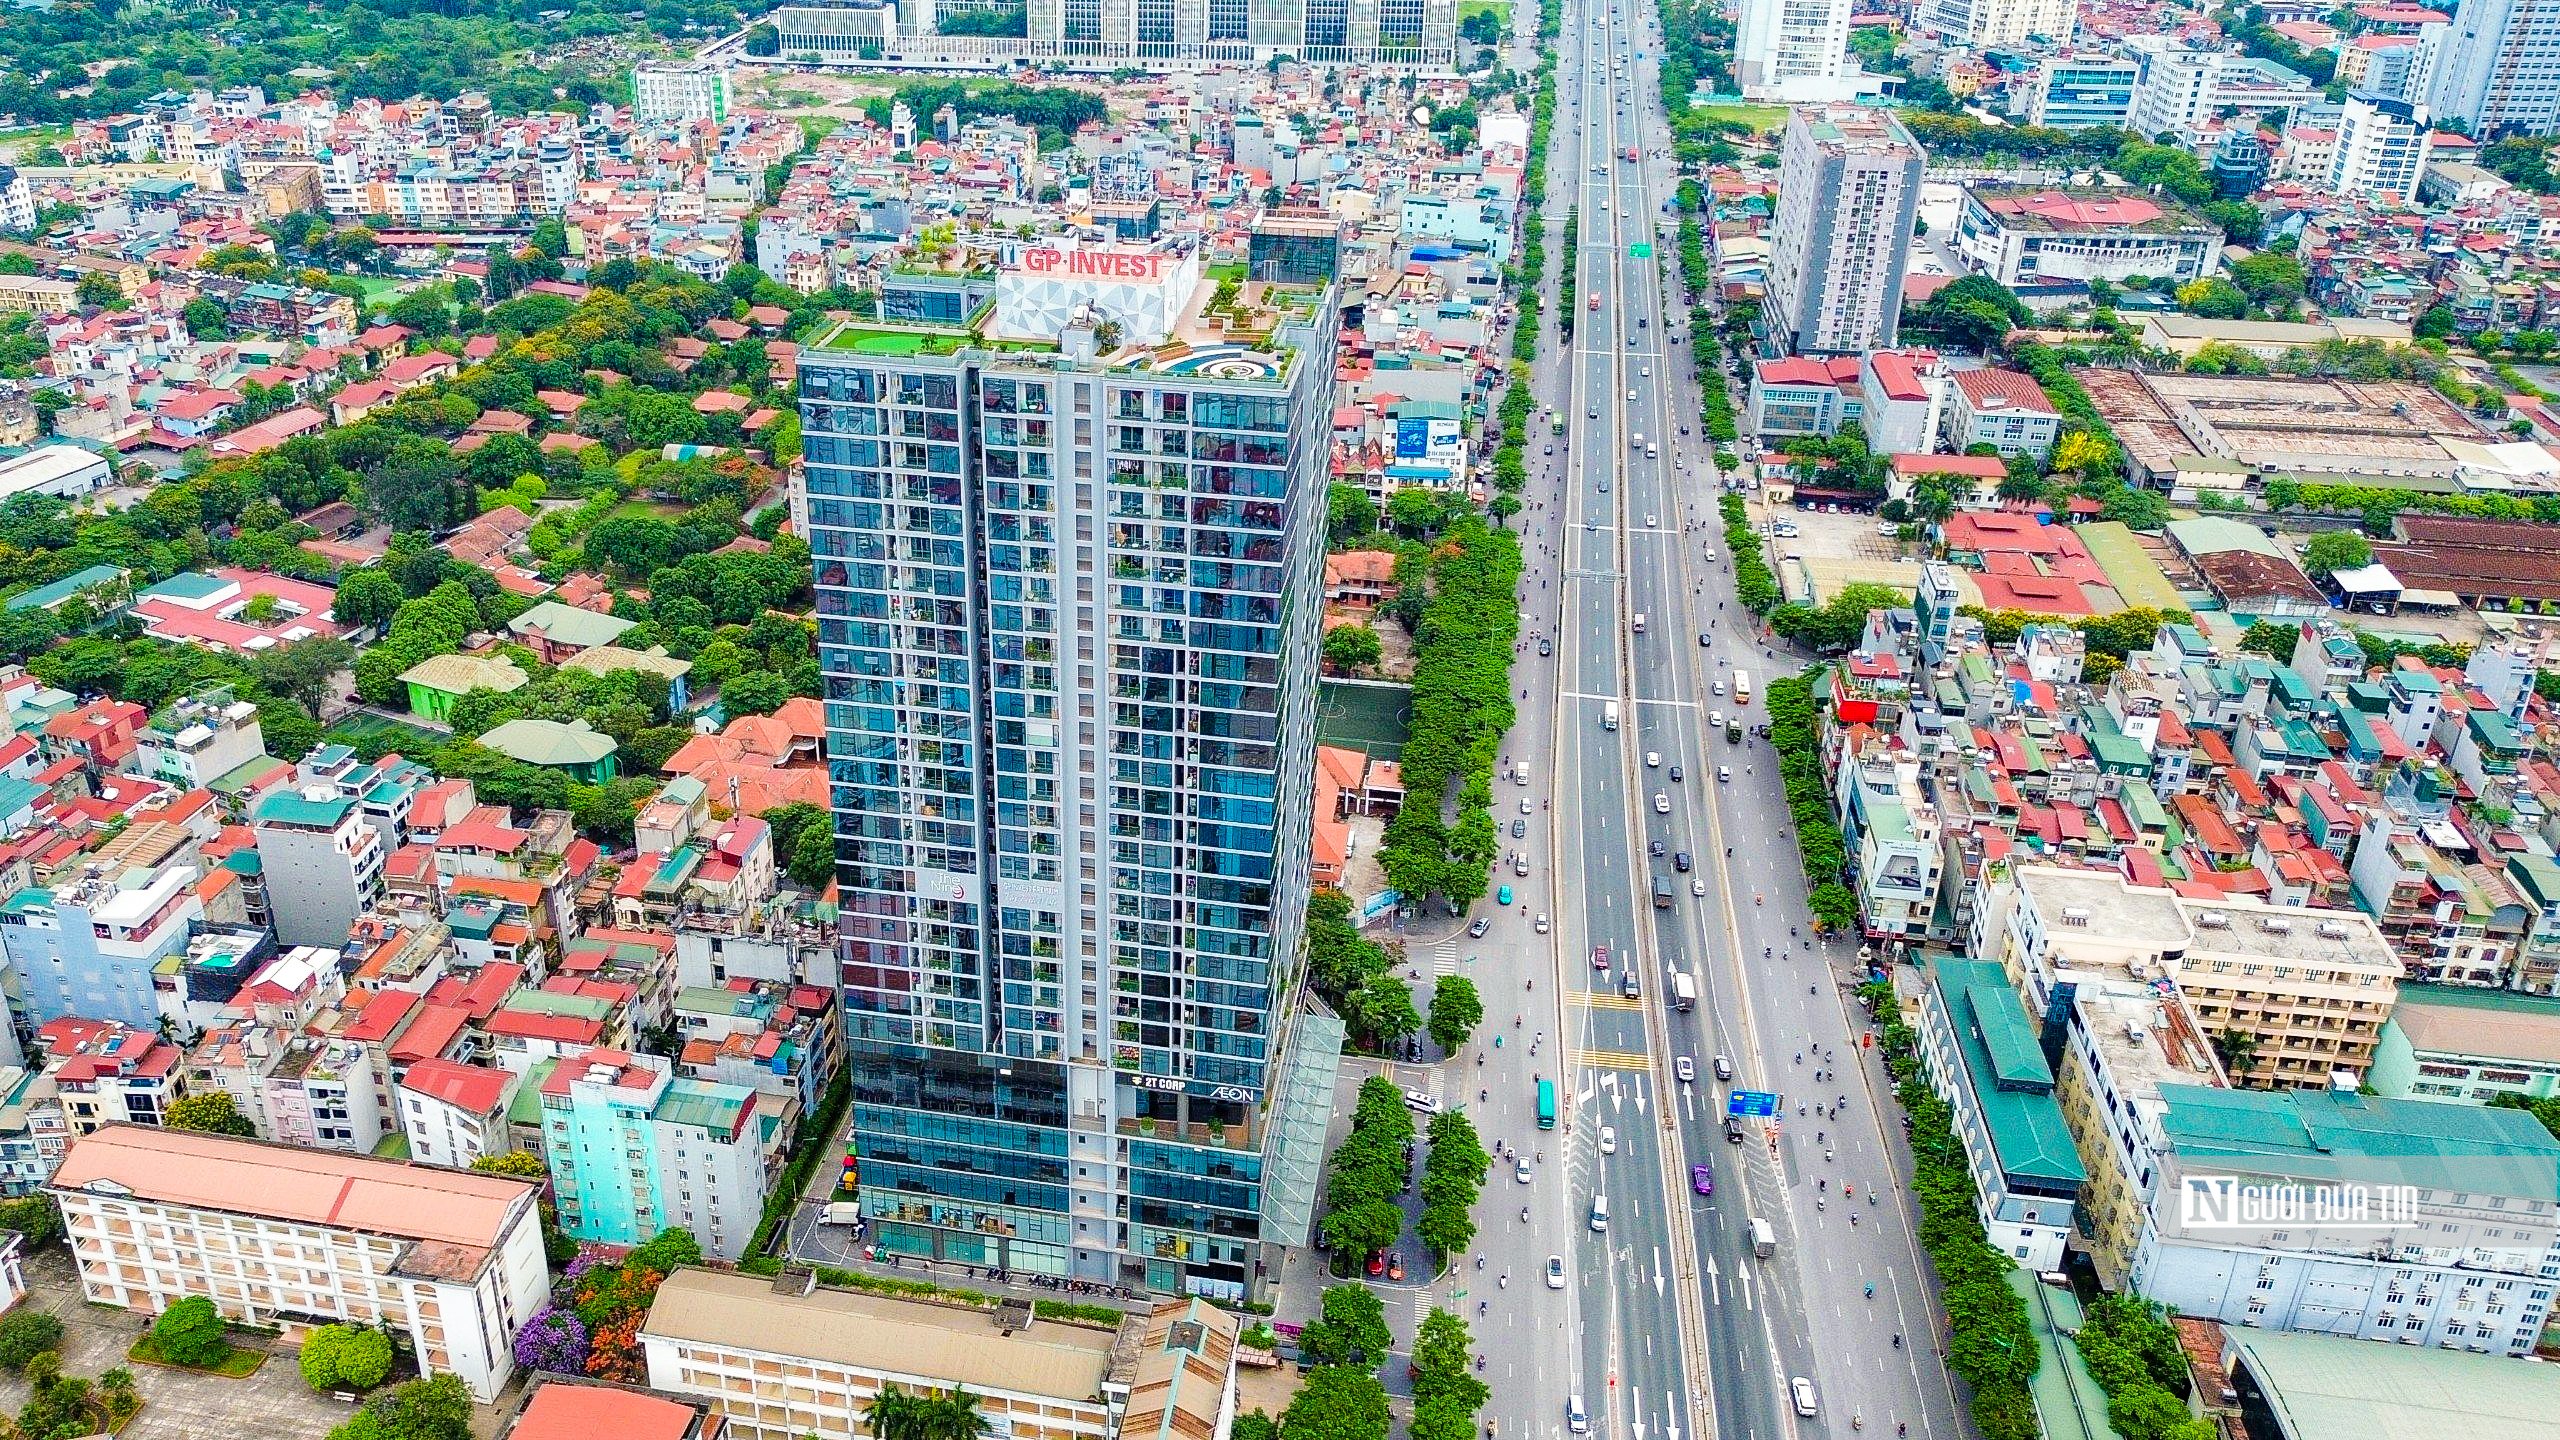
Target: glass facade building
<point>1069,611</point>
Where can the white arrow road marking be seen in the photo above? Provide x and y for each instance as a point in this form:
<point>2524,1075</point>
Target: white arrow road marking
<point>1657,1271</point>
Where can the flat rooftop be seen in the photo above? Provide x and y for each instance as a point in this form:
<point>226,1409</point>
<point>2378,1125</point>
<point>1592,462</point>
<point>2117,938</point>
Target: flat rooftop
<point>2280,423</point>
<point>2086,210</point>
<point>2466,1020</point>
<point>944,1344</point>
<point>2323,1388</point>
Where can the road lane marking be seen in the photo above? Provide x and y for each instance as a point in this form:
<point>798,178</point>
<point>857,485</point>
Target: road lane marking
<point>1615,1060</point>
<point>1605,1000</point>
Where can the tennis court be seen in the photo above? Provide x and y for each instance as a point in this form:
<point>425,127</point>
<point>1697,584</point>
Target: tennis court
<point>1363,715</point>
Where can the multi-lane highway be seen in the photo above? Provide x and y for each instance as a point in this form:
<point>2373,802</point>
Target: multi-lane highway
<point>1667,1323</point>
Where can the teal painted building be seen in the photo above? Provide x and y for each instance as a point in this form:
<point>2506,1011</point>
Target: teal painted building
<point>633,1150</point>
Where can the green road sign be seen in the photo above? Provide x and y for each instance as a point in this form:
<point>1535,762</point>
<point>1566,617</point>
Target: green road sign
<point>1641,250</point>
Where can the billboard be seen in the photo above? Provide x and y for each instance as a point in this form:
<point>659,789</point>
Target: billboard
<point>1427,440</point>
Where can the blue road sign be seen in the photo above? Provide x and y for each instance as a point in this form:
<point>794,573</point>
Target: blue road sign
<point>1751,1102</point>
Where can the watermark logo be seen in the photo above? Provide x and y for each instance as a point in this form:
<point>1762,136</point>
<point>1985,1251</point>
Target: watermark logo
<point>2256,1205</point>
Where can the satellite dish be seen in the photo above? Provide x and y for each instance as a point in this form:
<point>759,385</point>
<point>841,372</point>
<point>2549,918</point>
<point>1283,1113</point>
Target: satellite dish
<point>1422,115</point>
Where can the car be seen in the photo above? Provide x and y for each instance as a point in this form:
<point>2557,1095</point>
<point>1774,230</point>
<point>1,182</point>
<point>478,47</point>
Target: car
<point>1524,806</point>
<point>1478,929</point>
<point>1608,1139</point>
<point>1719,687</point>
<point>1576,1418</point>
<point>1724,773</point>
<point>1643,324</point>
<point>1683,1069</point>
<point>1661,803</point>
<point>1631,394</point>
<point>1675,774</point>
<point>1653,759</point>
<point>1519,829</point>
<point>1702,1180</point>
<point>1604,484</point>
<point>1555,1272</point>
<point>1599,957</point>
<point>1542,926</point>
<point>1680,862</point>
<point>1649,521</point>
<point>1715,719</point>
<point>1724,1068</point>
<point>1705,640</point>
<point>1628,985</point>
<point>1801,1391</point>
<point>1378,1262</point>
<point>1655,848</point>
<point>1520,1171</point>
<point>1644,372</point>
<point>1593,412</point>
<point>1546,646</point>
<point>1697,886</point>
<point>1502,896</point>
<point>1421,1102</point>
<point>1732,1130</point>
<point>1551,449</point>
<point>1710,557</point>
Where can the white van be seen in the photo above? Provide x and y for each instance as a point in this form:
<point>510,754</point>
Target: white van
<point>1639,625</point>
<point>1599,1211</point>
<point>1608,714</point>
<point>1802,1390</point>
<point>1576,1418</point>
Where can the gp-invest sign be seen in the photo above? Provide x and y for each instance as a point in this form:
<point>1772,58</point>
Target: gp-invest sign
<point>1096,264</point>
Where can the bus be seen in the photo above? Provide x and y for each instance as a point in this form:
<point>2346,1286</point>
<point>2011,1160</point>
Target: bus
<point>1546,1104</point>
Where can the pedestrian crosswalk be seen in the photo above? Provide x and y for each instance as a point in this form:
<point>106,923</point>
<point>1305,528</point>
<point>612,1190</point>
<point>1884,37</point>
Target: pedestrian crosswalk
<point>1444,958</point>
<point>1615,1059</point>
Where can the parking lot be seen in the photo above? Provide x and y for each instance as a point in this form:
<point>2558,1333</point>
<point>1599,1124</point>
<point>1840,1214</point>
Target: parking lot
<point>1829,552</point>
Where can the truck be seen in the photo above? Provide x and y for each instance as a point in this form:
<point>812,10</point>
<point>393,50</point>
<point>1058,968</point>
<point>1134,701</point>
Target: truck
<point>1684,990</point>
<point>1608,714</point>
<point>1661,894</point>
<point>1764,1240</point>
<point>842,1212</point>
<point>1741,687</point>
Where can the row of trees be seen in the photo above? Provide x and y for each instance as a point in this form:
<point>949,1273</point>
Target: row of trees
<point>1355,975</point>
<point>1366,1174</point>
<point>1461,709</point>
<point>1452,1178</point>
<point>1793,737</point>
<point>1753,581</point>
<point>1989,1343</point>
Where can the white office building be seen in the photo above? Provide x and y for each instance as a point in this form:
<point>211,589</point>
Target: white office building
<point>2077,92</point>
<point>2182,85</point>
<point>679,92</point>
<point>1979,24</point>
<point>2381,151</point>
<point>2496,68</point>
<point>1848,191</point>
<point>1794,51</point>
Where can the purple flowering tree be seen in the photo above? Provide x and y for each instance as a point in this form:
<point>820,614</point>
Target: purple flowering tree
<point>554,1340</point>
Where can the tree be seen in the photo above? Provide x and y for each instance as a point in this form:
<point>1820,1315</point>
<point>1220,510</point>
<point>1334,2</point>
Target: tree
<point>813,859</point>
<point>190,1332</point>
<point>304,671</point>
<point>555,1340</point>
<point>213,1113</point>
<point>345,1357</point>
<point>2214,299</point>
<point>2271,638</point>
<point>893,1414</point>
<point>205,320</point>
<point>2331,551</point>
<point>2238,1050</point>
<point>1352,648</point>
<point>437,1408</point>
<point>26,1334</point>
<point>755,693</point>
<point>1351,1328</point>
<point>1456,1010</point>
<point>523,1163</point>
<point>1336,1403</point>
<point>99,289</point>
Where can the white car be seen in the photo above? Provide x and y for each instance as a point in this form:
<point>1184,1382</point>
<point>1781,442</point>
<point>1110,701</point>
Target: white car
<point>1661,803</point>
<point>1645,371</point>
<point>1715,719</point>
<point>1719,687</point>
<point>1542,924</point>
<point>1697,885</point>
<point>1653,759</point>
<point>1524,800</point>
<point>1631,394</point>
<point>1683,1070</point>
<point>1649,520</point>
<point>1555,1272</point>
<point>1520,1171</point>
<point>1608,1139</point>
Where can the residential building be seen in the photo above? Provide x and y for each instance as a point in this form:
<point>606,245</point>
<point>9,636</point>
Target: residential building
<point>291,1238</point>
<point>1794,51</point>
<point>196,740</point>
<point>679,92</point>
<point>2469,1045</point>
<point>321,860</point>
<point>2078,92</point>
<point>634,1150</point>
<point>1044,1071</point>
<point>90,944</point>
<point>1163,1373</point>
<point>1982,1055</point>
<point>110,1074</point>
<point>1848,191</point>
<point>34,1131</point>
<point>2495,69</point>
<point>454,1113</point>
<point>2382,150</point>
<point>573,1407</point>
<point>1891,829</point>
<point>1802,395</point>
<point>2025,235</point>
<point>1902,396</point>
<point>1391,33</point>
<point>2459,1256</point>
